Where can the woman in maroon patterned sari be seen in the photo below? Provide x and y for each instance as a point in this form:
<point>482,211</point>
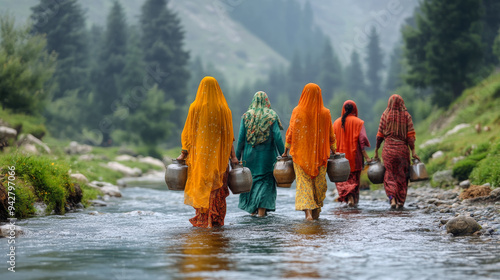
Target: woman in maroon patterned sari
<point>396,128</point>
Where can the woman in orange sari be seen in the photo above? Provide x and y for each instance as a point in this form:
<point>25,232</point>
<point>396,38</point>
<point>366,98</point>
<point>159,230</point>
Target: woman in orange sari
<point>396,128</point>
<point>351,140</point>
<point>207,144</point>
<point>310,139</point>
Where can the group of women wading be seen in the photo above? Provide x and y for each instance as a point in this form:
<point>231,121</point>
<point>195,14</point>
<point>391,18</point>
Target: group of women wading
<point>207,144</point>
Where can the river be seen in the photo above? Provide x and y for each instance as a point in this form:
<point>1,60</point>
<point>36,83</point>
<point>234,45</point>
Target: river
<point>146,235</point>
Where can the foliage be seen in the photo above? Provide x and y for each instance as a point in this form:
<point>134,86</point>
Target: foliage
<point>374,61</point>
<point>26,68</point>
<point>45,180</point>
<point>463,168</point>
<point>63,24</point>
<point>27,124</point>
<point>487,171</point>
<point>330,77</point>
<point>162,45</point>
<point>396,70</point>
<point>496,45</point>
<point>355,79</point>
<point>444,50</point>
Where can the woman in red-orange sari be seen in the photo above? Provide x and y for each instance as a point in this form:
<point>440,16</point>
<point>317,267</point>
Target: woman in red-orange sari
<point>207,144</point>
<point>310,139</point>
<point>396,129</point>
<point>352,141</point>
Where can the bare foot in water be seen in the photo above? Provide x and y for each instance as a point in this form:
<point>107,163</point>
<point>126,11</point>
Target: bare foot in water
<point>308,214</point>
<point>315,213</point>
<point>350,201</point>
<point>393,203</point>
<point>261,212</point>
<point>399,206</point>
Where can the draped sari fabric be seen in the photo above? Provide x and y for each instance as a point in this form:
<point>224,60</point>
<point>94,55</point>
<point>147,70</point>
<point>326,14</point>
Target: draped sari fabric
<point>310,133</point>
<point>396,129</point>
<point>350,143</point>
<point>259,143</point>
<point>207,137</point>
<point>310,138</point>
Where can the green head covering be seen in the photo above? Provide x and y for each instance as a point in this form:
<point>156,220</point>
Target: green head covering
<point>259,118</point>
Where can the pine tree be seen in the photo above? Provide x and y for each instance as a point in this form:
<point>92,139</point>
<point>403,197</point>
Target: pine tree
<point>491,24</point>
<point>64,26</point>
<point>330,77</point>
<point>107,72</point>
<point>162,45</point>
<point>395,74</point>
<point>374,61</point>
<point>112,59</point>
<point>355,79</point>
<point>444,50</point>
<point>295,82</point>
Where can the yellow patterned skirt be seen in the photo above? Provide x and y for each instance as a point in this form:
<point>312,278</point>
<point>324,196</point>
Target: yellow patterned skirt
<point>310,192</point>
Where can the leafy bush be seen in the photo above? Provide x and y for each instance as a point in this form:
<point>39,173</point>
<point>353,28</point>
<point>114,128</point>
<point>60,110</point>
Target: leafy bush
<point>463,168</point>
<point>39,179</point>
<point>488,169</point>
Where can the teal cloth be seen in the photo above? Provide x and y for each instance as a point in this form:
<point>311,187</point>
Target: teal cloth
<point>260,160</point>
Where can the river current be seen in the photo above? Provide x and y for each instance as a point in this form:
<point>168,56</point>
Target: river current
<point>146,235</point>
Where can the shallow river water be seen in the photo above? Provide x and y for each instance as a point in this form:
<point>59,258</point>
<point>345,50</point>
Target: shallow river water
<point>147,235</point>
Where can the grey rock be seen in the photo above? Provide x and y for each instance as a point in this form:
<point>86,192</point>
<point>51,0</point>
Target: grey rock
<point>437,154</point>
<point>462,225</point>
<point>7,133</point>
<point>98,203</point>
<point>76,149</point>
<point>30,139</point>
<point>10,230</point>
<point>464,184</point>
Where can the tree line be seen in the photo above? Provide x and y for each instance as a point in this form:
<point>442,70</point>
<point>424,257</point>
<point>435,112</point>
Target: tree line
<point>132,83</point>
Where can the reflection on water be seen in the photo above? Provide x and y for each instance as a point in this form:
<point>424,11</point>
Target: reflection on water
<point>147,235</point>
<point>204,250</point>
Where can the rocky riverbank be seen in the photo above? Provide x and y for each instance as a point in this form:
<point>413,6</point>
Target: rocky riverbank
<point>444,204</point>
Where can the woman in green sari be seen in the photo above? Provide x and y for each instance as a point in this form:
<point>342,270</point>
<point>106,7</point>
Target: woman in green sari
<point>259,143</point>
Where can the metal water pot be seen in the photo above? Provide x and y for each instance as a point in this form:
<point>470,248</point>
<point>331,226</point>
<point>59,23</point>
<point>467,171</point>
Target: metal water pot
<point>338,168</point>
<point>283,172</point>
<point>376,171</point>
<point>418,172</point>
<point>176,175</point>
<point>240,179</point>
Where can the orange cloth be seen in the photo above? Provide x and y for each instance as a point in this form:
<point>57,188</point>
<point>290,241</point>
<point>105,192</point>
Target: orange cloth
<point>208,138</point>
<point>347,139</point>
<point>310,134</point>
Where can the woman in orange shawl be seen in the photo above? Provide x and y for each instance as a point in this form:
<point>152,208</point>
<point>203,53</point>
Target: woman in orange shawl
<point>207,144</point>
<point>396,128</point>
<point>310,139</point>
<point>351,140</point>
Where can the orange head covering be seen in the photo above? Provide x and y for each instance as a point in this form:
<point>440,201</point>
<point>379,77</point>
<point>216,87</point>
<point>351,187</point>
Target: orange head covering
<point>348,136</point>
<point>309,132</point>
<point>208,137</point>
<point>396,120</point>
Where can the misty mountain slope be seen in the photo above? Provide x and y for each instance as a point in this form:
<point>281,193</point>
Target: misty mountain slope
<point>347,22</point>
<point>209,33</point>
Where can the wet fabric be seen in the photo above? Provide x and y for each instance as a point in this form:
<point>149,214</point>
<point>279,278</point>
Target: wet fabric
<point>310,134</point>
<point>396,157</point>
<point>348,137</point>
<point>396,129</point>
<point>259,118</point>
<point>310,192</point>
<point>349,187</point>
<point>214,216</point>
<point>260,160</point>
<point>207,137</point>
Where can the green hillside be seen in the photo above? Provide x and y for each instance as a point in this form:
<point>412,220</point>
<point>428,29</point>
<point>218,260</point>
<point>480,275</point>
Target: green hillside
<point>469,153</point>
<point>210,34</point>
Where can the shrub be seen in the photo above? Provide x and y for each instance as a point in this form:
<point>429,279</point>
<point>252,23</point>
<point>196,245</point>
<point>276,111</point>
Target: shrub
<point>463,168</point>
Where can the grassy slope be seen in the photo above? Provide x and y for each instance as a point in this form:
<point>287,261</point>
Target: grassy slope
<point>479,104</point>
